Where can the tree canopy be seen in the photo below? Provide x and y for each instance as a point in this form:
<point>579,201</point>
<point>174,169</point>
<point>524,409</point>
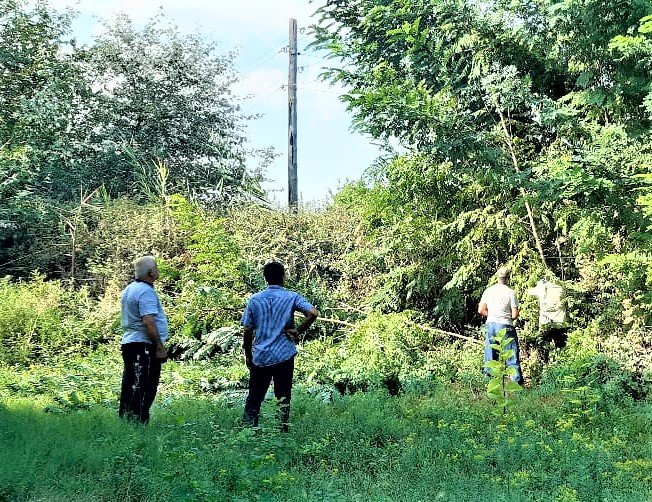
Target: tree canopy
<point>525,126</point>
<point>133,111</point>
<point>165,96</point>
<point>96,115</point>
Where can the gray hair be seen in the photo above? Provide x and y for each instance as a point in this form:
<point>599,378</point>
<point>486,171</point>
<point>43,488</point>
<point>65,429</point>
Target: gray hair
<point>143,265</point>
<point>503,274</point>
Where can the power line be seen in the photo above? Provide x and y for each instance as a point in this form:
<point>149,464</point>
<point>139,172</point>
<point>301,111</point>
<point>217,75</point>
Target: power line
<point>302,68</point>
<point>263,58</point>
<point>281,47</point>
<point>311,89</point>
<point>278,86</point>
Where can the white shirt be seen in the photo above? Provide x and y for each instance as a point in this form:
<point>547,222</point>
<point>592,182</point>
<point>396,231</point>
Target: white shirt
<point>500,300</point>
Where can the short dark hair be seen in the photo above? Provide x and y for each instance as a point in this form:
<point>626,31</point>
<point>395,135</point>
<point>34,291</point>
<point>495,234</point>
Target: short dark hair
<point>274,273</point>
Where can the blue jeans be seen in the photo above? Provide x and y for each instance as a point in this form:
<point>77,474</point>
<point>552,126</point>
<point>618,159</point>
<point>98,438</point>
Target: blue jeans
<point>491,354</point>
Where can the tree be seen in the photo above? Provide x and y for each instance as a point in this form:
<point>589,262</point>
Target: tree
<point>524,129</point>
<point>166,97</point>
<point>162,96</point>
<point>37,77</point>
<point>109,115</point>
<point>37,83</point>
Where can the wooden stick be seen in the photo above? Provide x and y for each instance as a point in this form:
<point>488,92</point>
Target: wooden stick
<point>337,321</point>
<point>422,326</point>
<point>448,333</point>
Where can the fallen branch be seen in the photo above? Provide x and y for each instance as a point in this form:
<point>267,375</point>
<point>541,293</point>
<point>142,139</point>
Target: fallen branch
<point>422,326</point>
<point>348,307</point>
<point>337,321</point>
<point>447,333</point>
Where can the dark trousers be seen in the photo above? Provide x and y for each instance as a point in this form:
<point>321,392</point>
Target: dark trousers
<point>140,378</point>
<point>259,379</point>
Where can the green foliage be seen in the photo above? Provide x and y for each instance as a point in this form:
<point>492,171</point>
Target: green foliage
<point>224,340</point>
<point>316,249</point>
<point>40,88</point>
<point>31,237</point>
<point>76,120</point>
<point>211,261</point>
<point>84,112</point>
<point>163,96</point>
<point>645,199</point>
<point>111,234</point>
<point>41,321</point>
<point>433,241</point>
<point>501,388</point>
<point>382,352</point>
<point>366,446</point>
<point>206,278</point>
<point>524,130</point>
<point>212,254</point>
<point>613,374</point>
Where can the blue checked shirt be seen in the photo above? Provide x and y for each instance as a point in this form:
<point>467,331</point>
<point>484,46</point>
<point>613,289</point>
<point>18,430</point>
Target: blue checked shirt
<point>269,313</point>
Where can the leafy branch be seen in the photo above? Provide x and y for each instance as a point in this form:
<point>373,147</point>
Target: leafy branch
<point>501,388</point>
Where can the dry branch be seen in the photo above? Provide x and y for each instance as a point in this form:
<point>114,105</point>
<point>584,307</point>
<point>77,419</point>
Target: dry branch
<point>447,333</point>
<point>337,321</point>
<point>422,326</point>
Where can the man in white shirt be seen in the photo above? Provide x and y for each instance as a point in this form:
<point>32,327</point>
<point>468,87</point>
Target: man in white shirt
<point>500,306</point>
<point>144,331</point>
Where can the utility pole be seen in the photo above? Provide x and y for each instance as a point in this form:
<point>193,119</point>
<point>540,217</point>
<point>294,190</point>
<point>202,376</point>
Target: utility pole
<point>293,185</point>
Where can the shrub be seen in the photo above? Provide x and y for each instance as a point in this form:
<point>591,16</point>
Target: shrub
<point>381,352</point>
<point>206,280</point>
<point>118,233</point>
<point>42,320</point>
<point>597,373</point>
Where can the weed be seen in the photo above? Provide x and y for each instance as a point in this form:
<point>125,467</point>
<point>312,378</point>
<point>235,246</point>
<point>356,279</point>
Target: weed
<point>501,388</point>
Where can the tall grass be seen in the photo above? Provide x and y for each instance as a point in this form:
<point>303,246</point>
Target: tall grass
<point>41,320</point>
<point>441,443</point>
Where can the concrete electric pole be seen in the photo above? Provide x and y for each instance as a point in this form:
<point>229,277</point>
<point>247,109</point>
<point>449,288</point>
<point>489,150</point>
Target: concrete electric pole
<point>293,184</point>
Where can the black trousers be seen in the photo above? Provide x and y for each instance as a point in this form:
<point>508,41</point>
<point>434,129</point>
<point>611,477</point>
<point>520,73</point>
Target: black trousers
<point>142,372</point>
<point>259,379</point>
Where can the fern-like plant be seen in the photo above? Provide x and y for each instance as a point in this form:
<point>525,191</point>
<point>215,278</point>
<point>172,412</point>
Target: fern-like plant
<point>501,388</point>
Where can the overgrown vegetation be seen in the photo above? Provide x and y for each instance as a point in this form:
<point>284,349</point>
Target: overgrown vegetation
<point>62,439</point>
<point>386,404</point>
<point>135,113</point>
<point>524,143</point>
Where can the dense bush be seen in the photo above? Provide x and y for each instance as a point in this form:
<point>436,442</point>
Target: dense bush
<point>316,248</point>
<point>212,261</point>
<point>613,368</point>
<point>43,320</point>
<point>390,352</point>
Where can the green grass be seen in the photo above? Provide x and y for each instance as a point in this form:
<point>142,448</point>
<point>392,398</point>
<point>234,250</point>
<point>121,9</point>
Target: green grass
<point>441,443</point>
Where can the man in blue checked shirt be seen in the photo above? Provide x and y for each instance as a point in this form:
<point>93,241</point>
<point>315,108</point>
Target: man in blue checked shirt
<point>270,338</point>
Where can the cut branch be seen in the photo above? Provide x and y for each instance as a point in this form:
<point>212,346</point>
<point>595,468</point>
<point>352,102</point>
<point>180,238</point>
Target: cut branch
<point>337,321</point>
<point>447,333</point>
<point>421,326</point>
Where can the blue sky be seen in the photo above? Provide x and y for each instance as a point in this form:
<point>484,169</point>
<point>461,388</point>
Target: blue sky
<point>329,153</point>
